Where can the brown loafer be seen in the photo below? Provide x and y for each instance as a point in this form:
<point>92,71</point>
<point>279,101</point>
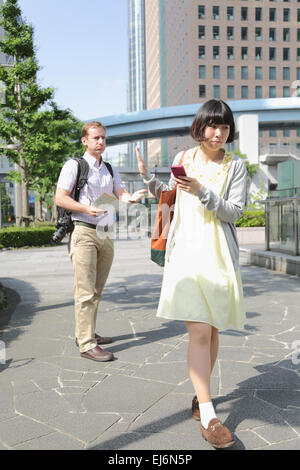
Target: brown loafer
<point>97,354</point>
<point>99,339</point>
<point>195,409</point>
<point>217,434</point>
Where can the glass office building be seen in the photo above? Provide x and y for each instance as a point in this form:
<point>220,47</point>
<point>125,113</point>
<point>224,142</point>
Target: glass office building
<point>136,67</point>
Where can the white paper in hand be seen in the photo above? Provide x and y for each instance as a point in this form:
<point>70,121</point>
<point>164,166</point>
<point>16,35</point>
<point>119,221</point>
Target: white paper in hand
<point>110,204</point>
<point>107,199</point>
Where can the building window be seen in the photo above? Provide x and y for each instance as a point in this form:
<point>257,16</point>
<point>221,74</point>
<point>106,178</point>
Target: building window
<point>286,34</point>
<point>230,72</point>
<point>201,12</point>
<point>298,34</point>
<point>202,71</point>
<point>286,133</point>
<point>272,53</point>
<point>244,92</point>
<point>286,91</point>
<point>216,32</point>
<point>201,52</point>
<point>216,52</point>
<point>244,13</point>
<point>298,53</point>
<point>202,91</point>
<point>298,73</point>
<point>230,52</point>
<point>201,32</point>
<point>216,91</point>
<point>230,91</point>
<point>272,14</point>
<point>216,72</point>
<point>272,91</point>
<point>272,73</point>
<point>272,133</point>
<point>286,53</point>
<point>258,34</point>
<point>258,73</point>
<point>286,73</point>
<point>258,53</point>
<point>286,14</point>
<point>258,14</point>
<point>244,34</point>
<point>298,14</point>
<point>244,73</point>
<point>244,53</point>
<point>230,33</point>
<point>258,92</point>
<point>272,34</point>
<point>230,13</point>
<point>216,13</point>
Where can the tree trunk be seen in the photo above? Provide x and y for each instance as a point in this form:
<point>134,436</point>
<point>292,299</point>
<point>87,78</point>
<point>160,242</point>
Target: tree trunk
<point>38,213</point>
<point>54,210</point>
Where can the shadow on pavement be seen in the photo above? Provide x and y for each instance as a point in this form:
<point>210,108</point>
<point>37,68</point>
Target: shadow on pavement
<point>271,398</point>
<point>22,313</point>
<point>267,281</point>
<point>172,328</point>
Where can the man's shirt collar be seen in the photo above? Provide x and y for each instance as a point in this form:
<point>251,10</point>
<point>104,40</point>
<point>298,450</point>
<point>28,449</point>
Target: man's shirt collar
<point>92,161</point>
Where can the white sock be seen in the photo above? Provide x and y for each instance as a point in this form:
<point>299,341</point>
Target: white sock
<point>207,412</point>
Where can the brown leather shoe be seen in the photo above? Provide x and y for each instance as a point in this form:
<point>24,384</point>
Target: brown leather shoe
<point>217,434</point>
<point>195,409</point>
<point>97,354</point>
<point>99,339</point>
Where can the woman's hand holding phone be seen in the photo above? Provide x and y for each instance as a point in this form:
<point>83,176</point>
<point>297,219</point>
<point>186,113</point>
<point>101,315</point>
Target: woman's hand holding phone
<point>190,185</point>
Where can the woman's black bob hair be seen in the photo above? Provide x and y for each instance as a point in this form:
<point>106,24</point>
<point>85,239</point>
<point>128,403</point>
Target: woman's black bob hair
<point>212,112</point>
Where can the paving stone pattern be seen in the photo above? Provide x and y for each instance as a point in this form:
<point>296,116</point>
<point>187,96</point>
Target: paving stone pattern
<point>51,398</point>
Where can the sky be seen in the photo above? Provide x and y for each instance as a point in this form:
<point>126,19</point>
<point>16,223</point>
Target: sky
<point>82,49</point>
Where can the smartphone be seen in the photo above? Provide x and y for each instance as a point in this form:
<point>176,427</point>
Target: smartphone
<point>178,170</point>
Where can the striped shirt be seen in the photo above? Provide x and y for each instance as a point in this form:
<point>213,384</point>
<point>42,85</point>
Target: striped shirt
<point>99,182</point>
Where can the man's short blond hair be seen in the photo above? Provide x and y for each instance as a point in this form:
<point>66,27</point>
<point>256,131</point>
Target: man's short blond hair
<point>89,125</point>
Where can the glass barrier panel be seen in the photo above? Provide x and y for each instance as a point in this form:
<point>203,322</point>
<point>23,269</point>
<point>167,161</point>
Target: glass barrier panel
<point>274,232</point>
<point>287,229</point>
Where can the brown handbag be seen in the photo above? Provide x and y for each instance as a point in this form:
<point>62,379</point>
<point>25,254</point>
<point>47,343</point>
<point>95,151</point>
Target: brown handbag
<point>164,217</point>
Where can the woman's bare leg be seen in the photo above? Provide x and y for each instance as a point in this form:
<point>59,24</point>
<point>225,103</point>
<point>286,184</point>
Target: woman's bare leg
<point>214,346</point>
<point>200,359</point>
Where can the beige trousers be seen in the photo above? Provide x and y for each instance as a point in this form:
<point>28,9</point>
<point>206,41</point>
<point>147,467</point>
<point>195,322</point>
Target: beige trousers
<point>92,259</point>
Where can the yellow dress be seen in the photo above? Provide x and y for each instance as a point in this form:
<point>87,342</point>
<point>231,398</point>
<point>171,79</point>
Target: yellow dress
<point>200,283</point>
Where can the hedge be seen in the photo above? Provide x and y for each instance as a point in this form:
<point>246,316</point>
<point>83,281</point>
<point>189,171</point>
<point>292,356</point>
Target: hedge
<point>252,219</point>
<point>16,237</point>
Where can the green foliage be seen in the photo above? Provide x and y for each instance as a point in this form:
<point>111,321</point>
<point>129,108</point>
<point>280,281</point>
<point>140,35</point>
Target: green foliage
<point>38,136</point>
<point>252,219</point>
<point>17,237</point>
<point>252,168</point>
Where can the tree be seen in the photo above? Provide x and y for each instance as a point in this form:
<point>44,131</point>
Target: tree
<point>58,139</point>
<point>252,169</point>
<point>34,131</point>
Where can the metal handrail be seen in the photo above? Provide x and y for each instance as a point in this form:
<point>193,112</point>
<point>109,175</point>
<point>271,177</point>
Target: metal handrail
<point>275,199</point>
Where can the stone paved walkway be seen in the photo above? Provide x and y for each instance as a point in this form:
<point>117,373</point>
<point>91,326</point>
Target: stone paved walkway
<point>51,398</point>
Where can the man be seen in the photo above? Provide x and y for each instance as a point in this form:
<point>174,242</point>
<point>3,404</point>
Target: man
<point>91,255</point>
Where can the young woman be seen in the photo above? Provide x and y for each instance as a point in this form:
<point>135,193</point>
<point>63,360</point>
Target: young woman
<point>202,283</point>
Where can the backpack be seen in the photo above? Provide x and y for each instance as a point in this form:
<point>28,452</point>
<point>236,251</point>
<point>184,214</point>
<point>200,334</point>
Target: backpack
<point>64,217</point>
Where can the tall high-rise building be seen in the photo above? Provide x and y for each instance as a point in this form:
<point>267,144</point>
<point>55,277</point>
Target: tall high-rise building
<point>136,65</point>
<point>233,49</point>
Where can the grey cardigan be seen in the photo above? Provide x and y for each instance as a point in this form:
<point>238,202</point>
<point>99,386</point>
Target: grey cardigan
<point>228,209</point>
